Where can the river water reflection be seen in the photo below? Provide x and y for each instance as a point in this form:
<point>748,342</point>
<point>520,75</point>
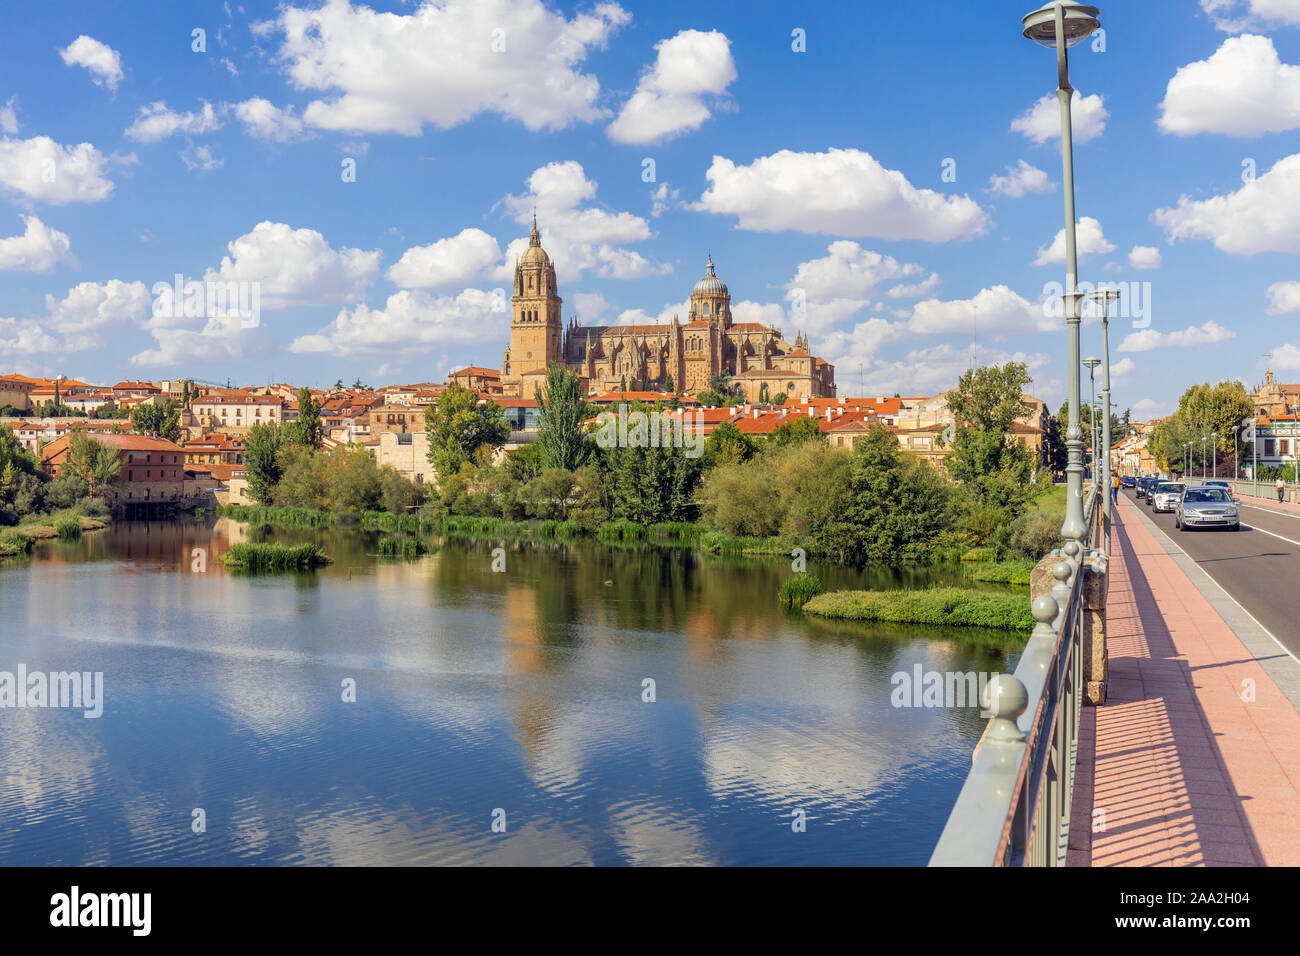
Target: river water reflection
<point>476,692</point>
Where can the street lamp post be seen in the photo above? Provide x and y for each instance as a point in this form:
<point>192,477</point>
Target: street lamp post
<point>1204,439</point>
<point>1105,297</point>
<point>1187,459</point>
<point>1091,364</point>
<point>1236,458</point>
<point>1060,25</point>
<point>1214,453</point>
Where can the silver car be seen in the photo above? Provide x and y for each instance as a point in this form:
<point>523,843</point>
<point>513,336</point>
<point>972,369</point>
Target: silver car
<point>1165,495</point>
<point>1207,507</point>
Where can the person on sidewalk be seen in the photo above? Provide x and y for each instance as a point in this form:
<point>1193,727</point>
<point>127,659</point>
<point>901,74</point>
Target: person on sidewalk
<point>1114,489</point>
<point>1281,489</point>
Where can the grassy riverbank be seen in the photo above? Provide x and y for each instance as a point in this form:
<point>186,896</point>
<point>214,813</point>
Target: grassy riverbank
<point>68,524</point>
<point>946,607</point>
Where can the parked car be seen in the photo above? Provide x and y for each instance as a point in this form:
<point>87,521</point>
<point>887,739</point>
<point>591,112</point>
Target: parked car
<point>1128,481</point>
<point>1207,507</point>
<point>1167,495</point>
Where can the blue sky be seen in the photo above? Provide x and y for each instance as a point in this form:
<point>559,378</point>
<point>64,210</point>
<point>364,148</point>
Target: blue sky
<point>815,178</point>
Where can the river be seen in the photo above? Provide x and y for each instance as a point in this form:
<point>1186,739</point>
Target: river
<point>499,717</point>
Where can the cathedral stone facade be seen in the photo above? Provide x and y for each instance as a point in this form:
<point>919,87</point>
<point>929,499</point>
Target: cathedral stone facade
<point>680,357</point>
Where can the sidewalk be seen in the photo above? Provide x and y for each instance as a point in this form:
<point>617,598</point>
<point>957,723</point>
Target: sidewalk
<point>1270,502</point>
<point>1176,769</point>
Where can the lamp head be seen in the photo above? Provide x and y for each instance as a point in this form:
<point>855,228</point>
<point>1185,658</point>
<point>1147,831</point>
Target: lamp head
<point>1080,21</point>
<point>1092,363</point>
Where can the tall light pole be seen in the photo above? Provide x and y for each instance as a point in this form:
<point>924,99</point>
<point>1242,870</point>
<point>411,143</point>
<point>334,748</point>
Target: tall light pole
<point>1060,25</point>
<point>1214,452</point>
<point>1236,458</point>
<point>1092,364</point>
<point>1187,459</point>
<point>1204,439</point>
<point>1104,297</point>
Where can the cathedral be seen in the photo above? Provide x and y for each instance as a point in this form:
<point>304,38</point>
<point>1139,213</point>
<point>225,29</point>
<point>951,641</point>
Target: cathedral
<point>681,357</point>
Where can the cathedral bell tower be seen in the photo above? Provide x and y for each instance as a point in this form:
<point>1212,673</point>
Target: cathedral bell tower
<point>536,328</point>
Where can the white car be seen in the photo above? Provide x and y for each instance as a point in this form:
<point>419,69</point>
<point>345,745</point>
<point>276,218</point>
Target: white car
<point>1165,495</point>
<point>1207,507</point>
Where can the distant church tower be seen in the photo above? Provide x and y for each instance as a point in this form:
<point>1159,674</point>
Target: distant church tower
<point>536,328</point>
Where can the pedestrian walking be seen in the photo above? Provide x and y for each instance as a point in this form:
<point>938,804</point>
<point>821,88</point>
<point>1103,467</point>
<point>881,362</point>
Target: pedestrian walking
<point>1281,489</point>
<point>1114,489</point>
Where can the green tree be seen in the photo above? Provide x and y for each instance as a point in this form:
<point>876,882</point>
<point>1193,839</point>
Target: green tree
<point>561,441</point>
<point>993,466</point>
<point>727,445</point>
<point>459,428</point>
<point>669,387</point>
<point>262,464</point>
<point>162,421</point>
<point>97,464</point>
<point>898,508</point>
<point>796,430</point>
<point>310,431</point>
<point>1202,410</point>
<point>778,398</point>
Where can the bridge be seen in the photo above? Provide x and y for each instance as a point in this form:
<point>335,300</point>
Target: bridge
<point>1154,717</point>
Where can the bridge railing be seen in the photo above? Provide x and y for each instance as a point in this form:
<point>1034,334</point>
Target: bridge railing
<point>1264,489</point>
<point>1014,809</point>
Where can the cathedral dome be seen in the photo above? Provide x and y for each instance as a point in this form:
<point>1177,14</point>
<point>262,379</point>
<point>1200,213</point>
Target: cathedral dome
<point>535,254</point>
<point>710,284</point>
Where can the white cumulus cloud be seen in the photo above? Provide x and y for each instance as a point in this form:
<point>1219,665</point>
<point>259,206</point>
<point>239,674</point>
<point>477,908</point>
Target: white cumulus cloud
<point>1021,180</point>
<point>671,97</point>
<point>156,121</point>
<point>995,311</point>
<point>1283,298</point>
<point>1042,121</point>
<point>454,261</point>
<point>409,320</point>
<point>577,234</point>
<point>1144,258</point>
<point>443,63</point>
<point>1259,217</point>
<point>265,120</point>
<point>1235,16</point>
<point>1089,240</point>
<point>103,62</point>
<point>39,249</point>
<point>1244,89</point>
<point>41,169</point>
<point>1208,333</point>
<point>296,267</point>
<point>841,192</point>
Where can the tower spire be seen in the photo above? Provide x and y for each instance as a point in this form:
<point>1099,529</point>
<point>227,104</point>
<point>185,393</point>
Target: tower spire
<point>533,238</point>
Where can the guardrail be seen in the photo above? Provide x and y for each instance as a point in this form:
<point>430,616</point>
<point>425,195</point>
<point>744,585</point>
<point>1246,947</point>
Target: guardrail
<point>1014,809</point>
<point>1264,489</point>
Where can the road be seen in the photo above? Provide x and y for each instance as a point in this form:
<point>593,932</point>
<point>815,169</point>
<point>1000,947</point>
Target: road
<point>1259,566</point>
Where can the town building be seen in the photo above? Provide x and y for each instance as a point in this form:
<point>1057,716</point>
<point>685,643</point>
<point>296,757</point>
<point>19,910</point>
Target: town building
<point>1273,399</point>
<point>687,355</point>
<point>153,469</point>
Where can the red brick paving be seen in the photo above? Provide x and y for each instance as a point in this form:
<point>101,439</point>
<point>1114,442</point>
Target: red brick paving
<point>1176,769</point>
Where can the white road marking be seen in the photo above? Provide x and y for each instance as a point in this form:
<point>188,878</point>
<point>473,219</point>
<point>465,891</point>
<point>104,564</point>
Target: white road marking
<point>1283,537</point>
<point>1286,650</point>
<point>1273,511</point>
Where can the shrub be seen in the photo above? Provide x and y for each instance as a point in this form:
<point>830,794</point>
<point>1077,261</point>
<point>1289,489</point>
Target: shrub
<point>273,557</point>
<point>1036,534</point>
<point>799,589</point>
<point>947,607</point>
<point>404,546</point>
<point>68,527</point>
<point>622,530</point>
<point>1015,572</point>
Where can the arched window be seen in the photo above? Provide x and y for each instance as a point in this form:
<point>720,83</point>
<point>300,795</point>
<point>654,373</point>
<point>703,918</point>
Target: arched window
<point>705,308</point>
